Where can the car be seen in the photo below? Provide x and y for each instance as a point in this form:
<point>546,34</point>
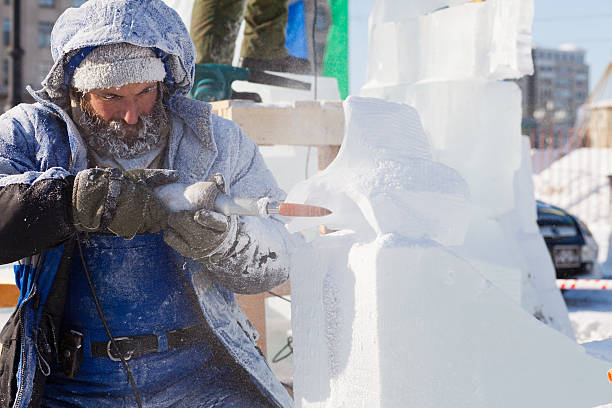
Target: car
<point>570,243</point>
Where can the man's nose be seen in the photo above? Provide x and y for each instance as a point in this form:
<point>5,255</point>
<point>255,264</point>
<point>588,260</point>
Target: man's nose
<point>131,113</point>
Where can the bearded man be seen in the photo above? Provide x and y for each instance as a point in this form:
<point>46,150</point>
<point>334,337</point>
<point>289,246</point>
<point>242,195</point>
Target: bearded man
<point>124,303</point>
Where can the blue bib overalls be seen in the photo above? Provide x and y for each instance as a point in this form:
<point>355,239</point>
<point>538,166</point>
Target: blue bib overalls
<point>141,292</point>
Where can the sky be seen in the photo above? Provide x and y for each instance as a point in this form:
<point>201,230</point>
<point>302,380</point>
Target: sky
<point>585,23</point>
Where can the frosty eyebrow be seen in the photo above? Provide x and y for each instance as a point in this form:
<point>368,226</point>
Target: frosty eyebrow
<point>111,95</point>
<point>148,89</point>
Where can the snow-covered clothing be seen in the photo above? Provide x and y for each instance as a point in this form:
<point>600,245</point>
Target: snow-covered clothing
<point>173,375</point>
<point>40,153</point>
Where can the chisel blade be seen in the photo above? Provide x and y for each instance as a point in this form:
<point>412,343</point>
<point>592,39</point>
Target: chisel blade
<point>302,210</point>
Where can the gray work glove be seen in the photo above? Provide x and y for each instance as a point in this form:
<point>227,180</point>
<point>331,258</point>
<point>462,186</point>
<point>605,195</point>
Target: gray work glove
<point>122,202</point>
<point>204,235</point>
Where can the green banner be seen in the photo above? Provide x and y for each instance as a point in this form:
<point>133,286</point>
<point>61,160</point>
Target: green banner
<point>335,62</point>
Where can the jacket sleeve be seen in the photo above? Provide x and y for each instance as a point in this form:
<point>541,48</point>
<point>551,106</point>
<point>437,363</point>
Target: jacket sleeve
<point>35,203</point>
<point>259,257</point>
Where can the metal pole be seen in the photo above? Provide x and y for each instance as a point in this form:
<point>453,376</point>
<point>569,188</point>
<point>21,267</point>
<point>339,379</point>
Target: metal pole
<point>15,53</point>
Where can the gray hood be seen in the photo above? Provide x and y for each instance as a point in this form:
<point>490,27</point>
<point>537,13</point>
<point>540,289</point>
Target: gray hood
<point>146,23</point>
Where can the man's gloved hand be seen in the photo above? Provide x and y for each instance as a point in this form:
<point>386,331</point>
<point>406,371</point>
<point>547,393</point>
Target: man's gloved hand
<point>200,235</point>
<point>203,234</point>
<point>121,201</point>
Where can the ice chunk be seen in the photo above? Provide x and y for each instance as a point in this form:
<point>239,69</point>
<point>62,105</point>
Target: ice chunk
<point>385,167</point>
<point>474,127</point>
<point>416,41</point>
<point>393,54</point>
<point>493,253</point>
<point>398,10</point>
<point>538,294</point>
<point>511,39</point>
<point>525,205</point>
<point>455,42</point>
<point>431,332</point>
<point>489,40</point>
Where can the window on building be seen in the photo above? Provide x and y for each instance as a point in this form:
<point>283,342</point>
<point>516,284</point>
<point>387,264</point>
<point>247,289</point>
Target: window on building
<point>77,3</point>
<point>563,82</point>
<point>7,1</point>
<point>44,34</point>
<point>46,3</point>
<point>6,31</point>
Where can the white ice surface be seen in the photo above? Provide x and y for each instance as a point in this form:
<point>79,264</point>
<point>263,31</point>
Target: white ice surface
<point>386,316</point>
<point>408,42</point>
<point>410,324</point>
<point>474,127</point>
<point>385,167</point>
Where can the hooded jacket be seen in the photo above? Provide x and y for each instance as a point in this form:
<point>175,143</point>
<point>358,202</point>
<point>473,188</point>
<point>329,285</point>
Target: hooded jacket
<point>40,153</point>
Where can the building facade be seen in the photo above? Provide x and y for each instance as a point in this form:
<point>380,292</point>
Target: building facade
<point>37,19</point>
<point>555,92</point>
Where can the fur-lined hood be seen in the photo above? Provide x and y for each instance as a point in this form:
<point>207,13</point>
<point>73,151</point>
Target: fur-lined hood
<point>146,23</point>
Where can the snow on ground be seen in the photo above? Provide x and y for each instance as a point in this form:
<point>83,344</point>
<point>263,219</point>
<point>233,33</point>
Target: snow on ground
<point>590,313</point>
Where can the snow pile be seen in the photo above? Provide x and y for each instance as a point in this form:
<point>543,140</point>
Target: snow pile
<point>473,122</point>
<point>578,182</point>
<point>386,314</point>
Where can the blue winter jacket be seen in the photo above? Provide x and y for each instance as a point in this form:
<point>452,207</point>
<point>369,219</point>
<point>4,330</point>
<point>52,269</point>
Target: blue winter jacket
<point>41,151</point>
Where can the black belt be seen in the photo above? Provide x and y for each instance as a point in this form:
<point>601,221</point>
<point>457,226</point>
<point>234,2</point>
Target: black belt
<point>136,346</point>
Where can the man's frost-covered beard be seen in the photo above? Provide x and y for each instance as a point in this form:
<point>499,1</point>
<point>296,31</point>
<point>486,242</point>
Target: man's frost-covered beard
<point>119,139</point>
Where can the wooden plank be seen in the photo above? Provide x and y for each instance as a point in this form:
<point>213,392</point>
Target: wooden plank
<point>303,123</point>
<point>326,155</point>
<point>8,295</point>
<point>255,308</point>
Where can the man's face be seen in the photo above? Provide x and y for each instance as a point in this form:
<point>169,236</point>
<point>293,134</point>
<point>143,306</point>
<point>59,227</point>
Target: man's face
<point>123,121</point>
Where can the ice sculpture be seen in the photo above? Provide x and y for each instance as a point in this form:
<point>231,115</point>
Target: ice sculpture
<point>448,61</point>
<point>385,314</point>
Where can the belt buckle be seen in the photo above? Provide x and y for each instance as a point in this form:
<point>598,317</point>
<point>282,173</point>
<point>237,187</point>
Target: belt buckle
<point>109,344</point>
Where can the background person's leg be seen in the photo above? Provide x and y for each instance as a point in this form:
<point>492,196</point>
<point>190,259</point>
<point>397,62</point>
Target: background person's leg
<point>263,46</point>
<point>214,28</point>
<point>264,33</point>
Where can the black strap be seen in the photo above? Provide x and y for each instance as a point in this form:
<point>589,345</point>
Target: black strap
<point>136,346</point>
<point>128,372</point>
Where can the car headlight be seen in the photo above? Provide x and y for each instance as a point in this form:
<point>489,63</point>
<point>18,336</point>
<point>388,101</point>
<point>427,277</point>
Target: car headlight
<point>588,253</point>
